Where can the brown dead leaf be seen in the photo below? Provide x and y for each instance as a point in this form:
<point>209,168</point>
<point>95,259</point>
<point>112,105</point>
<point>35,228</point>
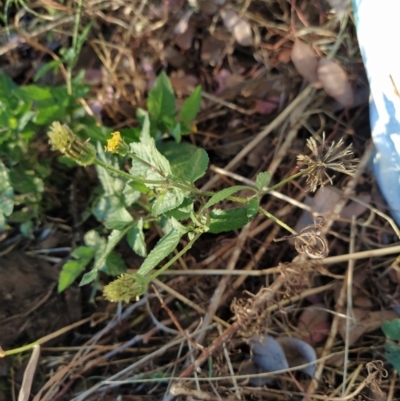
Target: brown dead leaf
<point>240,29</point>
<point>305,60</point>
<point>314,324</point>
<point>212,50</point>
<point>365,322</point>
<point>185,39</point>
<point>183,24</point>
<point>335,81</point>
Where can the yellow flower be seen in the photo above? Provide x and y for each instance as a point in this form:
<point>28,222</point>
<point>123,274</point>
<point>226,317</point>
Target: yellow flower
<point>116,144</point>
<point>63,139</point>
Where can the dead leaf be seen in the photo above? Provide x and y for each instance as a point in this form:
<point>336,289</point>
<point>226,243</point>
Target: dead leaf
<point>297,353</point>
<point>185,39</point>
<point>239,28</point>
<point>365,322</point>
<point>314,324</point>
<point>212,50</point>
<point>305,60</point>
<point>335,81</point>
<point>183,24</point>
<point>266,107</point>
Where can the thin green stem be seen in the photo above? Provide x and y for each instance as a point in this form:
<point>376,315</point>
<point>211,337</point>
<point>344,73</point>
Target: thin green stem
<point>276,220</point>
<point>175,258</point>
<point>127,175</point>
<point>285,181</point>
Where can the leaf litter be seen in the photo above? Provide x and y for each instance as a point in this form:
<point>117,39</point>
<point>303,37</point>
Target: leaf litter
<point>254,61</point>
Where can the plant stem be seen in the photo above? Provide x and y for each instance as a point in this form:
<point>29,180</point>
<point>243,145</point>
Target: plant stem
<point>276,220</point>
<point>285,181</point>
<point>175,258</point>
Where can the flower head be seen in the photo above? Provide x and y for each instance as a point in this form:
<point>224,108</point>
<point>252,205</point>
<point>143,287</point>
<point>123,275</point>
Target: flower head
<point>333,157</point>
<point>116,144</point>
<point>63,139</point>
<point>125,287</point>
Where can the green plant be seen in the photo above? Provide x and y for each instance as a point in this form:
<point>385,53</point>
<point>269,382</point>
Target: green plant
<point>163,186</point>
<point>392,346</point>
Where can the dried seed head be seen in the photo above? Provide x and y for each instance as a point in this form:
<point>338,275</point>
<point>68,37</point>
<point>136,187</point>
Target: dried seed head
<point>63,139</point>
<point>334,157</point>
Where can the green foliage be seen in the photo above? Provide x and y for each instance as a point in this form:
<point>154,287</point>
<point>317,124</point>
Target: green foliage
<point>225,193</point>
<point>392,347</point>
<point>6,195</point>
<point>161,105</point>
<point>262,180</point>
<point>227,220</point>
<point>159,189</point>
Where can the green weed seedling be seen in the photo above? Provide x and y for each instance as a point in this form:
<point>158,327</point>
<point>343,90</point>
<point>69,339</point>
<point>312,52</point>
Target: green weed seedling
<point>162,184</point>
<point>392,346</point>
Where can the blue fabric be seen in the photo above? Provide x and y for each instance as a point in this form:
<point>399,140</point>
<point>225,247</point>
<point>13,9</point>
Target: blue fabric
<point>378,32</point>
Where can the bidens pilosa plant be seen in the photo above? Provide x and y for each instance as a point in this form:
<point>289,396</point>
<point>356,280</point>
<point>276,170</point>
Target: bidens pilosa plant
<point>163,185</point>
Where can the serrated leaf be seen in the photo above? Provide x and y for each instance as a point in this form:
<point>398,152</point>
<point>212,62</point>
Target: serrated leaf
<point>262,180</point>
<point>110,211</point>
<point>136,240</point>
<point>169,200</point>
<point>188,162</point>
<point>162,249</point>
<point>191,106</point>
<point>225,193</point>
<point>6,195</point>
<point>252,207</point>
<point>161,99</point>
<point>227,220</point>
<point>146,150</point>
<point>182,212</point>
<point>73,268</point>
<point>198,163</point>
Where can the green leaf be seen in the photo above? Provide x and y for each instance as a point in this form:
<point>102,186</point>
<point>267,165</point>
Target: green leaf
<point>162,249</point>
<point>196,166</point>
<point>224,193</point>
<point>191,106</point>
<point>392,353</point>
<point>392,349</point>
<point>151,156</point>
<point>182,212</point>
<point>392,329</point>
<point>168,200</point>
<point>161,99</point>
<point>176,133</point>
<point>52,65</point>
<point>73,268</point>
<point>114,264</point>
<point>136,239</point>
<point>6,195</point>
<point>227,220</point>
<point>110,211</point>
<point>178,155</point>
<point>102,252</point>
<point>252,207</point>
<point>262,180</point>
